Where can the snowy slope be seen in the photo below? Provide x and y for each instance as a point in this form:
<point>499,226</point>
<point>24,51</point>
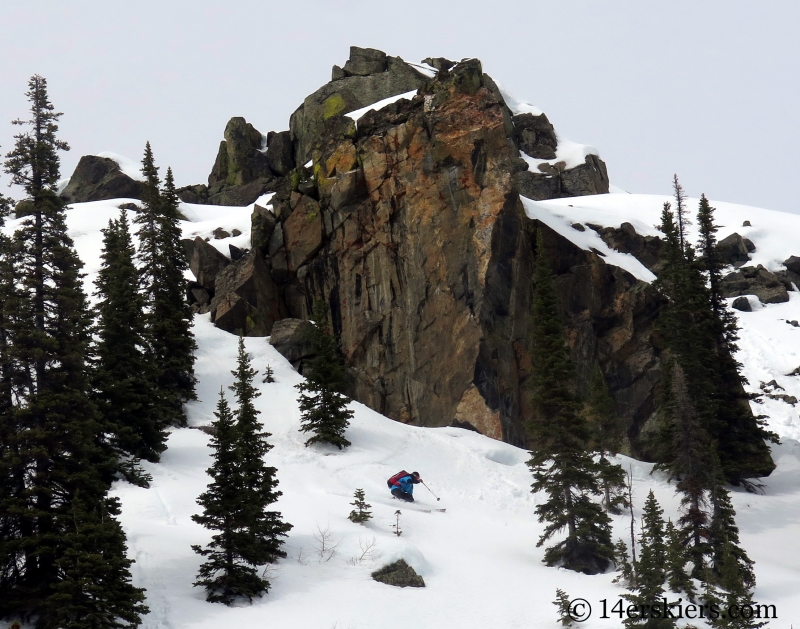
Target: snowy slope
<point>479,559</point>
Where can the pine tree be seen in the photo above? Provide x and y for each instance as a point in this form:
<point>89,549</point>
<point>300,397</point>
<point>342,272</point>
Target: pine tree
<point>269,375</point>
<point>681,211</point>
<point>678,579</point>
<point>563,604</point>
<point>739,436</point>
<point>322,402</point>
<point>123,389</point>
<point>608,430</point>
<point>690,461</point>
<point>168,320</point>
<point>648,587</point>
<point>728,592</point>
<point>724,538</point>
<point>561,465</point>
<point>361,513</point>
<point>627,576</point>
<point>54,468</point>
<point>236,500</point>
<point>94,590</point>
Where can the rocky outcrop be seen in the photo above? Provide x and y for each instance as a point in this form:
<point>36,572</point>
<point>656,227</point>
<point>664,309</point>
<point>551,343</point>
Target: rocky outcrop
<point>556,181</point>
<point>646,249</point>
<point>756,281</point>
<point>206,263</point>
<point>399,574</point>
<point>291,337</point>
<point>410,227</point>
<point>246,300</point>
<point>99,178</point>
<point>735,250</point>
<point>367,77</point>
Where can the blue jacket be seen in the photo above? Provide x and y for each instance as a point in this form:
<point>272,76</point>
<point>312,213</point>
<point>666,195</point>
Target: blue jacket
<point>405,483</point>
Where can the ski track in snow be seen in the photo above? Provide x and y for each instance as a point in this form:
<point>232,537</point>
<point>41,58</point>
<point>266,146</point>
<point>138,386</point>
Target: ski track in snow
<point>479,559</point>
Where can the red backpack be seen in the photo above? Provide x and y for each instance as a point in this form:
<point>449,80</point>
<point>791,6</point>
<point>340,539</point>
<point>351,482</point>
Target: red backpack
<point>396,478</point>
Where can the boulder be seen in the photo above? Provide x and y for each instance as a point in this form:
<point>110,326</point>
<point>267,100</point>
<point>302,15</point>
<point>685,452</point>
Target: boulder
<point>555,182</point>
<point>246,300</point>
<point>206,262</point>
<point>399,574</point>
<point>23,208</point>
<point>262,226</point>
<point>365,61</point>
<point>758,281</point>
<point>742,304</point>
<point>280,152</point>
<point>370,76</point>
<point>99,178</point>
<point>193,194</point>
<point>791,276</point>
<point>240,158</point>
<point>440,63</point>
<point>646,249</point>
<point>733,250</point>
<point>236,253</point>
<point>291,337</point>
<point>536,136</point>
<point>220,234</point>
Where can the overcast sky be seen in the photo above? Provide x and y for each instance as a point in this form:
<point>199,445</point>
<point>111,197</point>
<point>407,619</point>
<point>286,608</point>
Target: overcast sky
<point>708,90</point>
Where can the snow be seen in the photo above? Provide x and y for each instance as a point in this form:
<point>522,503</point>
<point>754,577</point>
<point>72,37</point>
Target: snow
<point>128,166</point>
<point>424,68</point>
<point>571,153</point>
<point>479,559</point>
<point>355,115</point>
<point>556,219</point>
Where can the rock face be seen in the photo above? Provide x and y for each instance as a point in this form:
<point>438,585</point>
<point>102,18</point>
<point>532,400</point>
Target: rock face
<point>399,574</point>
<point>410,227</point>
<point>291,338</point>
<point>99,178</point>
<point>756,281</point>
<point>246,300</point>
<point>646,249</point>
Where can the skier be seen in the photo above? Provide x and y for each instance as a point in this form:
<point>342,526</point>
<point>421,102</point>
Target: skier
<point>402,485</point>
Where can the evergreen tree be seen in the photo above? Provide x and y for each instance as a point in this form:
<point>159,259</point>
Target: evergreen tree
<point>728,592</point>
<point>561,465</point>
<point>690,462</point>
<point>724,538</point>
<point>361,513</point>
<point>52,466</point>
<point>608,430</point>
<point>626,577</point>
<point>648,587</point>
<point>168,320</point>
<point>678,578</point>
<point>323,405</point>
<point>123,389</point>
<point>563,604</point>
<point>269,375</point>
<point>739,436</point>
<point>236,500</point>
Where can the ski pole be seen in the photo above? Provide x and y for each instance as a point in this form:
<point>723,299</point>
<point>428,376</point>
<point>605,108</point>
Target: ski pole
<point>429,489</point>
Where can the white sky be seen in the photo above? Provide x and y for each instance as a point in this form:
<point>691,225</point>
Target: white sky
<point>707,89</point>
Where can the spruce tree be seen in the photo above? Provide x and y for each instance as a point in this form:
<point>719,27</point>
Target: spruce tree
<point>54,468</point>
<point>322,402</point>
<point>648,588</point>
<point>627,576</point>
<point>739,436</point>
<point>168,315</point>
<point>728,592</point>
<point>691,463</point>
<point>724,538</point>
<point>123,390</point>
<point>236,500</point>
<point>607,434</point>
<point>361,513</point>
<point>678,579</point>
<point>681,211</point>
<point>561,465</point>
